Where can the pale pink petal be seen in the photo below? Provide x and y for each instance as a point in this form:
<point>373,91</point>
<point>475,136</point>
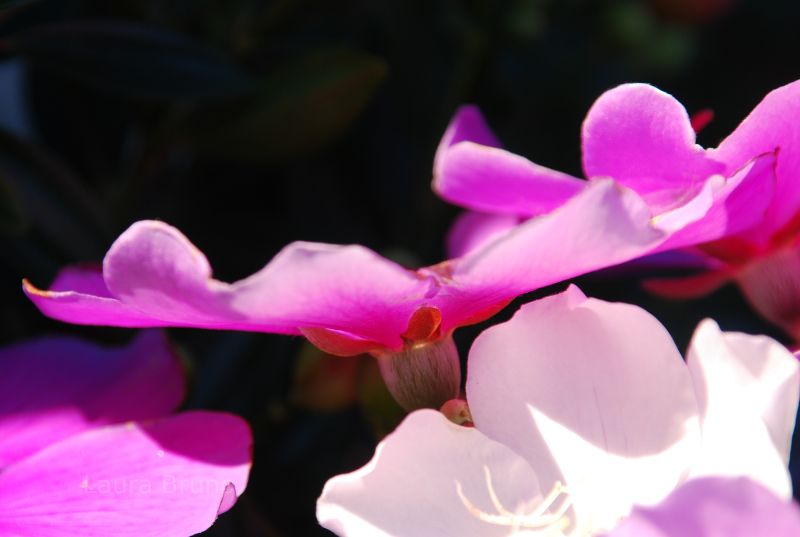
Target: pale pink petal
<point>692,212</point>
<point>153,270</point>
<point>643,138</point>
<point>471,230</point>
<point>410,487</point>
<point>598,388</point>
<point>53,388</point>
<point>770,127</point>
<point>600,227</point>
<point>169,478</point>
<point>747,390</point>
<point>715,507</point>
<point>490,179</point>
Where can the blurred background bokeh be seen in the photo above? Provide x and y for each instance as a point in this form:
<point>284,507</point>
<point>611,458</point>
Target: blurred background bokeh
<point>249,124</point>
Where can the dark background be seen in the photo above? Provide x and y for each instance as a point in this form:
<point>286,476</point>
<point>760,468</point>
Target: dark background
<point>249,124</point>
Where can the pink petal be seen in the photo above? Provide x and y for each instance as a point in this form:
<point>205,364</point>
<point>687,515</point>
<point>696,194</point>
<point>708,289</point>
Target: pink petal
<point>602,226</point>
<point>770,126</point>
<point>53,388</point>
<point>470,169</point>
<point>490,179</point>
<point>715,508</point>
<point>167,478</point>
<point>596,387</point>
<point>79,295</point>
<point>747,390</point>
<point>468,124</point>
<point>643,138</point>
<point>347,288</point>
<point>771,284</point>
<point>157,276</point>
<point>409,488</point>
<point>471,230</point>
<point>741,204</point>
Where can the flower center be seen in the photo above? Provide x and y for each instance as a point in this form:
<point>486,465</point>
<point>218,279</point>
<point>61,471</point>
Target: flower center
<point>549,516</point>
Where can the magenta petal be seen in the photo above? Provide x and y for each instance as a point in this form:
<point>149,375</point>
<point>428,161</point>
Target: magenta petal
<point>471,230</point>
<point>53,388</point>
<point>770,126</point>
<point>741,204</point>
<point>467,125</point>
<point>643,138</point>
<point>715,507</point>
<point>158,277</point>
<point>346,288</point>
<point>602,226</point>
<point>168,478</point>
<point>79,295</point>
<point>494,180</point>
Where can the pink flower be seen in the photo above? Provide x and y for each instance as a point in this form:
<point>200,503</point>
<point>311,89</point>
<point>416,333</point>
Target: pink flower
<point>87,446</point>
<point>347,299</point>
<point>643,139</point>
<point>582,409</point>
<point>650,150</point>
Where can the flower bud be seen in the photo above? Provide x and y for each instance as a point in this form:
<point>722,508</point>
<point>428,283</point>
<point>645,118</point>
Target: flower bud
<point>422,375</point>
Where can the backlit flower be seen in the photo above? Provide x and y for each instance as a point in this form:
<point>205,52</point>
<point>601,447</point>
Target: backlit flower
<point>582,409</point>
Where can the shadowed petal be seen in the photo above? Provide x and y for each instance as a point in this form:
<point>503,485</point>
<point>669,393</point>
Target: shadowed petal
<point>471,230</point>
<point>597,388</point>
<point>688,287</point>
<point>168,478</point>
<point>715,508</point>
<point>771,284</point>
<point>411,486</point>
<point>56,387</point>
<point>747,390</point>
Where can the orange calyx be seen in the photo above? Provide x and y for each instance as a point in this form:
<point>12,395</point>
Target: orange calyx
<point>423,325</point>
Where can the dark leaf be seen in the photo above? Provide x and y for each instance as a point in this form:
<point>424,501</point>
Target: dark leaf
<point>132,60</point>
<point>12,214</point>
<point>49,197</point>
<point>10,4</point>
<point>301,107</point>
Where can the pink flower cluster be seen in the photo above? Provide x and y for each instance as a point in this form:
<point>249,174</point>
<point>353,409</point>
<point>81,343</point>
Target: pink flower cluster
<point>587,421</point>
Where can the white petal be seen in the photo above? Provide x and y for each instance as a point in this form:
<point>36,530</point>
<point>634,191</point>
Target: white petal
<point>409,488</point>
<point>747,391</point>
<point>597,388</point>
